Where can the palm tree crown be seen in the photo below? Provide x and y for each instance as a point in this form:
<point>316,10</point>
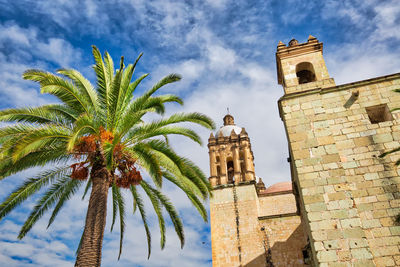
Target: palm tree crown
<point>97,134</point>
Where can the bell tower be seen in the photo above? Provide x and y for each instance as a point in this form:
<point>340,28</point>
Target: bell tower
<point>235,230</point>
<point>302,67</point>
<point>231,158</point>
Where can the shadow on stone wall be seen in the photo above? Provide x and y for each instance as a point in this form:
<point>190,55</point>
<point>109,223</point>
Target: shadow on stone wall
<point>289,252</point>
<point>284,254</point>
<point>257,262</point>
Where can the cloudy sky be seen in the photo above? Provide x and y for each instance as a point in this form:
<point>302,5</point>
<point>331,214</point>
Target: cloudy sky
<point>225,51</point>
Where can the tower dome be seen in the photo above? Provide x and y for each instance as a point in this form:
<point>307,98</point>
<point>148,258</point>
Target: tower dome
<point>229,125</point>
<point>231,158</point>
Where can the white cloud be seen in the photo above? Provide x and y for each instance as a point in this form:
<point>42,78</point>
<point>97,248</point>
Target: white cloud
<point>58,51</point>
<point>219,4</point>
<point>22,49</point>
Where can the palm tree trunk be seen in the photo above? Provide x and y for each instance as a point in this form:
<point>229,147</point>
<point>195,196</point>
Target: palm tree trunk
<point>89,253</point>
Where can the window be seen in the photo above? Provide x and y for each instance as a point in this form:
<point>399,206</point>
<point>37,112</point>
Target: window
<point>379,113</point>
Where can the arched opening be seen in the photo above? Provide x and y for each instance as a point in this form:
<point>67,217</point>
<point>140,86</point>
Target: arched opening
<point>218,175</point>
<point>242,165</point>
<point>231,178</point>
<point>305,72</point>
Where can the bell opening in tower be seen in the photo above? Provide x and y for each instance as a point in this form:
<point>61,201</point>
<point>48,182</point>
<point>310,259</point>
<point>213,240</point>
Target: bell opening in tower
<point>231,177</point>
<point>305,72</point>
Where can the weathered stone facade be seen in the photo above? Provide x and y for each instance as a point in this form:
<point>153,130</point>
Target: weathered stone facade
<point>345,198</point>
<point>348,195</point>
<point>250,225</point>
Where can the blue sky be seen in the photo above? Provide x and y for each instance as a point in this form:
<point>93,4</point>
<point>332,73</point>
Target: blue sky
<point>225,51</point>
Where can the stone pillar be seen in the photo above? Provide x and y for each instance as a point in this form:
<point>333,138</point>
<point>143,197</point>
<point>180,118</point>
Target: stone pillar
<point>213,167</point>
<point>236,164</point>
<point>223,176</point>
<point>248,163</point>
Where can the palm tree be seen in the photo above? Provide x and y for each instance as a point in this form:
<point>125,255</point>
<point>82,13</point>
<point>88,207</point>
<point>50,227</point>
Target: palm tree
<point>98,135</point>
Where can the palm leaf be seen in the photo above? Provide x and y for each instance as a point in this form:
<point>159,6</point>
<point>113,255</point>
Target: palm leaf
<point>87,187</point>
<point>52,195</point>
<point>30,187</point>
<point>84,86</point>
<point>140,206</point>
<point>121,208</point>
<point>103,81</point>
<point>70,189</point>
<point>57,86</point>
<point>176,221</point>
<point>157,208</point>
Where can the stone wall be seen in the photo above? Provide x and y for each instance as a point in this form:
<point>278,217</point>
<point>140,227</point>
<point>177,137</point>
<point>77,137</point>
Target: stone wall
<point>349,196</point>
<point>235,229</point>
<point>286,240</point>
<point>242,230</point>
<point>277,204</point>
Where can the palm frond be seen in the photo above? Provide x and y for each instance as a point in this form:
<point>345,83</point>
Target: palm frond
<point>157,208</point>
<point>140,206</point>
<point>46,155</point>
<point>41,137</point>
<point>131,89</point>
<point>38,115</point>
<point>109,66</point>
<point>189,193</point>
<point>176,221</point>
<point>70,189</point>
<point>83,125</point>
<point>114,96</point>
<point>121,208</point>
<point>149,161</point>
<point>84,86</point>
<point>87,187</point>
<point>103,81</point>
<point>140,133</point>
<point>68,113</point>
<point>186,168</point>
<point>126,87</point>
<point>30,187</point>
<point>60,88</point>
<point>114,190</point>
<point>52,195</point>
<point>139,103</point>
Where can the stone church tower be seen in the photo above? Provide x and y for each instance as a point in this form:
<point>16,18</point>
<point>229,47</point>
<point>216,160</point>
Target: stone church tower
<point>348,196</point>
<point>340,207</point>
<point>250,225</point>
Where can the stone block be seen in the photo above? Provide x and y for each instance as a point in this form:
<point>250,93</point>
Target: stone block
<point>313,199</point>
<point>353,233</point>
<point>385,251</point>
<point>372,223</point>
<point>337,196</point>
<point>327,256</point>
<point>334,234</point>
<point>384,261</point>
<point>395,230</point>
<point>331,244</point>
<point>361,253</point>
<point>383,138</point>
<point>350,223</point>
<point>363,263</point>
<point>371,176</point>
